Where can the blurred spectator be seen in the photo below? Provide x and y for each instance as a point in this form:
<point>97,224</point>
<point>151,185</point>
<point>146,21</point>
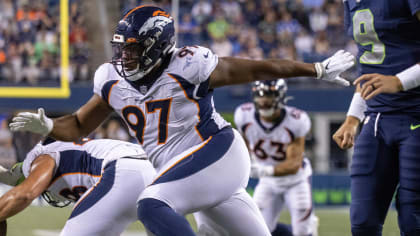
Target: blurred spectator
<point>7,152</point>
<point>201,11</point>
<point>188,30</point>
<point>218,27</point>
<point>318,20</point>
<point>222,47</point>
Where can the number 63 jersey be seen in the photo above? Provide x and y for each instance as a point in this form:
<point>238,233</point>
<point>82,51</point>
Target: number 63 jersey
<point>268,141</point>
<point>173,112</point>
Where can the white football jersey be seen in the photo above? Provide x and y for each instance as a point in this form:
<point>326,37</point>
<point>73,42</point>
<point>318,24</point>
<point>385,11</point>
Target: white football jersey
<point>171,114</point>
<point>79,166</point>
<point>268,141</point>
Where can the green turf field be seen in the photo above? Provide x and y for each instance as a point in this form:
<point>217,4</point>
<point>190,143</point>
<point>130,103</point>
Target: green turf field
<point>47,221</point>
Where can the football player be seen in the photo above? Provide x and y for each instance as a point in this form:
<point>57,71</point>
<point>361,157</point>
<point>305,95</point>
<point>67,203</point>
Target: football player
<point>102,177</point>
<point>275,134</point>
<point>385,158</point>
<point>165,95</point>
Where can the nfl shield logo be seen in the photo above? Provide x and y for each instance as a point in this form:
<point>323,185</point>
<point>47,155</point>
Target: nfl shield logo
<point>143,89</point>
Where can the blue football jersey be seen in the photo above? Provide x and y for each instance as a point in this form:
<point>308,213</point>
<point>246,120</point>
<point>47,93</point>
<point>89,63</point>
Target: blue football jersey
<point>387,33</point>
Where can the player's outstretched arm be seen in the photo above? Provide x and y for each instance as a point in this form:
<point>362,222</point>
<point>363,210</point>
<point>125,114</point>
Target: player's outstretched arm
<point>83,122</point>
<point>66,128</point>
<point>230,70</point>
<point>19,197</point>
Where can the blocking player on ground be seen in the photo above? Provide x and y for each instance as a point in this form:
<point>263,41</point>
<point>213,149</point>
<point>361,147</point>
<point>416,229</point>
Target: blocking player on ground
<point>102,177</point>
<point>165,95</point>
<point>275,134</point>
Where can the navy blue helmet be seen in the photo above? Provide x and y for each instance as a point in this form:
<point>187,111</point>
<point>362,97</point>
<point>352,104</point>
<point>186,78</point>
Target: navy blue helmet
<point>144,36</point>
<point>275,90</point>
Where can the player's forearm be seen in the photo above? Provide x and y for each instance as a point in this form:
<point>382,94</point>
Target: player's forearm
<point>13,202</point>
<point>287,168</point>
<point>68,128</point>
<point>232,71</point>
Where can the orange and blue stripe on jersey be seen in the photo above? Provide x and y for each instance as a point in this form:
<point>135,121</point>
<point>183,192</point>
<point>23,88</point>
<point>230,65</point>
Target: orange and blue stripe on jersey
<point>107,88</point>
<point>202,97</point>
<point>75,161</point>
<point>98,191</point>
<point>209,152</point>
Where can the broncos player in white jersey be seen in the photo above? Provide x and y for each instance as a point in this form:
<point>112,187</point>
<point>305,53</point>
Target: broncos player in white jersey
<point>275,134</point>
<point>102,177</point>
<point>164,94</point>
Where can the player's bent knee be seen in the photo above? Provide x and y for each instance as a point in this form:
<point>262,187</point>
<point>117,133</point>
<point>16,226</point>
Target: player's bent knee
<point>146,208</point>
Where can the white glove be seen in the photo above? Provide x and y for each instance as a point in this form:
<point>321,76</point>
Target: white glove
<point>12,177</point>
<point>33,122</point>
<point>331,68</point>
<point>258,171</point>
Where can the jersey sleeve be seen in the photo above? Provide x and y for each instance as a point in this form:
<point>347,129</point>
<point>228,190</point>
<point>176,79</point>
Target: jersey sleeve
<point>240,117</point>
<point>303,123</point>
<point>414,6</point>
<point>102,82</point>
<point>38,150</point>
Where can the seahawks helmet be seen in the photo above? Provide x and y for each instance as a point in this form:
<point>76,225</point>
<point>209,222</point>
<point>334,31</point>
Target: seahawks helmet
<point>144,36</point>
<point>273,93</point>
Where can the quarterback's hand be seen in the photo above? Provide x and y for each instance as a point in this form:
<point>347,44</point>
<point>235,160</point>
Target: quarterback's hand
<point>258,171</point>
<point>33,122</point>
<point>344,136</point>
<point>377,83</point>
<point>331,68</point>
<point>12,177</point>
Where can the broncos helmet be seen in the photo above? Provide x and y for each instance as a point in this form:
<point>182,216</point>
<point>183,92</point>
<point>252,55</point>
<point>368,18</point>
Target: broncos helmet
<point>269,95</point>
<point>144,36</point>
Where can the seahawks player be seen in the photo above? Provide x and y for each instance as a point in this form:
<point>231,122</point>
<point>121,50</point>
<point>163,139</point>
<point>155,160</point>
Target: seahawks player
<point>385,157</point>
<point>165,95</point>
<point>275,134</point>
<point>102,177</point>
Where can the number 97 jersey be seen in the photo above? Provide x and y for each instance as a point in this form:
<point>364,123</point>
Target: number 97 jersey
<point>169,111</point>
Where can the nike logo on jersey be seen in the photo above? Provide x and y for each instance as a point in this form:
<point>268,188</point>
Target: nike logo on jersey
<point>413,127</point>
<point>207,55</point>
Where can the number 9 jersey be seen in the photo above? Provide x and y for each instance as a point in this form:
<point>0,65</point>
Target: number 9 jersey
<point>388,37</point>
<point>160,113</point>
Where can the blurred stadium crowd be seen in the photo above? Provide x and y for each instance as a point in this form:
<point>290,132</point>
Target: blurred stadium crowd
<point>307,30</point>
<point>30,45</point>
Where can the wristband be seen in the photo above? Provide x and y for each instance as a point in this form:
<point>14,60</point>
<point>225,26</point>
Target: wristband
<point>320,71</point>
<point>267,170</point>
<point>357,107</point>
<point>410,77</point>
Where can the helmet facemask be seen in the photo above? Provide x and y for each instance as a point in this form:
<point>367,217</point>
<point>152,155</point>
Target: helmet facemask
<point>269,97</point>
<point>131,61</point>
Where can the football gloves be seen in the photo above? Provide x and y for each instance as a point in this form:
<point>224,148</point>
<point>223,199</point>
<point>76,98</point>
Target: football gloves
<point>258,171</point>
<point>331,68</point>
<point>33,122</point>
<point>12,177</point>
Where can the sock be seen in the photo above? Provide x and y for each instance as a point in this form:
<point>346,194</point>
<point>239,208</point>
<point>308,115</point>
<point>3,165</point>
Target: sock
<point>162,220</point>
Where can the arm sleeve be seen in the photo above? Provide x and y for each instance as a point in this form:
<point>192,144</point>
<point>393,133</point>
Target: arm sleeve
<point>304,125</point>
<point>100,78</point>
